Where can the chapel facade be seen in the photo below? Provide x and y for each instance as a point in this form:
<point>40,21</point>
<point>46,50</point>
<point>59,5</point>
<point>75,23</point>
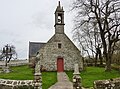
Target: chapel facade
<point>59,53</point>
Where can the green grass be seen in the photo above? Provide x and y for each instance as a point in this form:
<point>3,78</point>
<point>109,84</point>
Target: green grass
<point>26,73</point>
<point>48,79</point>
<point>94,73</point>
<point>19,73</point>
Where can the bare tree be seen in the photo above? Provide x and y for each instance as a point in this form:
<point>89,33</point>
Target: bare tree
<point>89,41</point>
<point>103,15</point>
<point>7,53</point>
<point>98,55</point>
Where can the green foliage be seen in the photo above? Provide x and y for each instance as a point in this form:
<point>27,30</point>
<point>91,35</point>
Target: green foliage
<point>94,73</point>
<point>19,73</point>
<point>48,79</point>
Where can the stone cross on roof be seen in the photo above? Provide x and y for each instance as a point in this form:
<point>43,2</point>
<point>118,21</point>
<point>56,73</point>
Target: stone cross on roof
<point>59,3</point>
<point>59,8</point>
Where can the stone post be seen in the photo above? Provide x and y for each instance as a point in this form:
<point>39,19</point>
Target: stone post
<point>76,78</point>
<point>37,81</point>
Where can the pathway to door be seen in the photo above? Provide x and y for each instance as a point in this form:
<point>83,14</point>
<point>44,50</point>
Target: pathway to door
<point>63,82</point>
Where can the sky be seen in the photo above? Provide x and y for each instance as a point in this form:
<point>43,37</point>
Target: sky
<point>22,21</point>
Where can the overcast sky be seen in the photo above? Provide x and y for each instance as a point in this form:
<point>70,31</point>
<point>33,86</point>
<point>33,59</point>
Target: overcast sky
<point>22,21</point>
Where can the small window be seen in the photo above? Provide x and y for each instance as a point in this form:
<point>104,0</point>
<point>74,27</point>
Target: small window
<point>59,45</point>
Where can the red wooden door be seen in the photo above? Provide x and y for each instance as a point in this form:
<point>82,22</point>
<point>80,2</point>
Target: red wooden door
<point>60,65</point>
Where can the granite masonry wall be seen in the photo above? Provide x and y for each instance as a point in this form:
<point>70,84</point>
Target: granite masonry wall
<point>107,84</point>
<point>68,51</point>
<point>14,63</point>
<point>16,84</point>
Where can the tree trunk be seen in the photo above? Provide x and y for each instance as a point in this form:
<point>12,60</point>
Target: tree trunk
<point>108,62</point>
<point>96,59</point>
<point>108,66</point>
<point>6,62</point>
<point>101,59</point>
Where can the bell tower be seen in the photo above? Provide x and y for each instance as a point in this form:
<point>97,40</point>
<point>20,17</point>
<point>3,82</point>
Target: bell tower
<point>59,20</point>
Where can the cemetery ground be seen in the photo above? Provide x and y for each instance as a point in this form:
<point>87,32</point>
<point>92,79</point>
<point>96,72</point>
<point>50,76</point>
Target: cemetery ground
<point>49,78</point>
<point>90,74</point>
<point>26,73</point>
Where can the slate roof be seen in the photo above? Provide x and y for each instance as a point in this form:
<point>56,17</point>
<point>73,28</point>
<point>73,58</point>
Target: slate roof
<point>34,47</point>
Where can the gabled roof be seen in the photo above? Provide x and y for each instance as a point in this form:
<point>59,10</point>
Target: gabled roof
<point>34,47</point>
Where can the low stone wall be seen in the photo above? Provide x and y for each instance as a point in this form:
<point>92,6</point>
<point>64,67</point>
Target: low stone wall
<point>16,84</point>
<point>14,63</point>
<point>107,84</point>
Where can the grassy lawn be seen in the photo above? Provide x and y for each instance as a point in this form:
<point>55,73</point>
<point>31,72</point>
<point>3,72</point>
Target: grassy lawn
<point>26,73</point>
<point>94,73</point>
<point>19,73</point>
<point>49,78</point>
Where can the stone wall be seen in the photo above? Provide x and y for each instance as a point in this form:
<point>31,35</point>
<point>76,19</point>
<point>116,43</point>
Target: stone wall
<point>68,51</point>
<point>107,84</point>
<point>16,84</point>
<point>14,63</point>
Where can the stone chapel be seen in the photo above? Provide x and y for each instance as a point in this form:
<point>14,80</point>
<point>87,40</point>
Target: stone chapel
<point>59,53</point>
